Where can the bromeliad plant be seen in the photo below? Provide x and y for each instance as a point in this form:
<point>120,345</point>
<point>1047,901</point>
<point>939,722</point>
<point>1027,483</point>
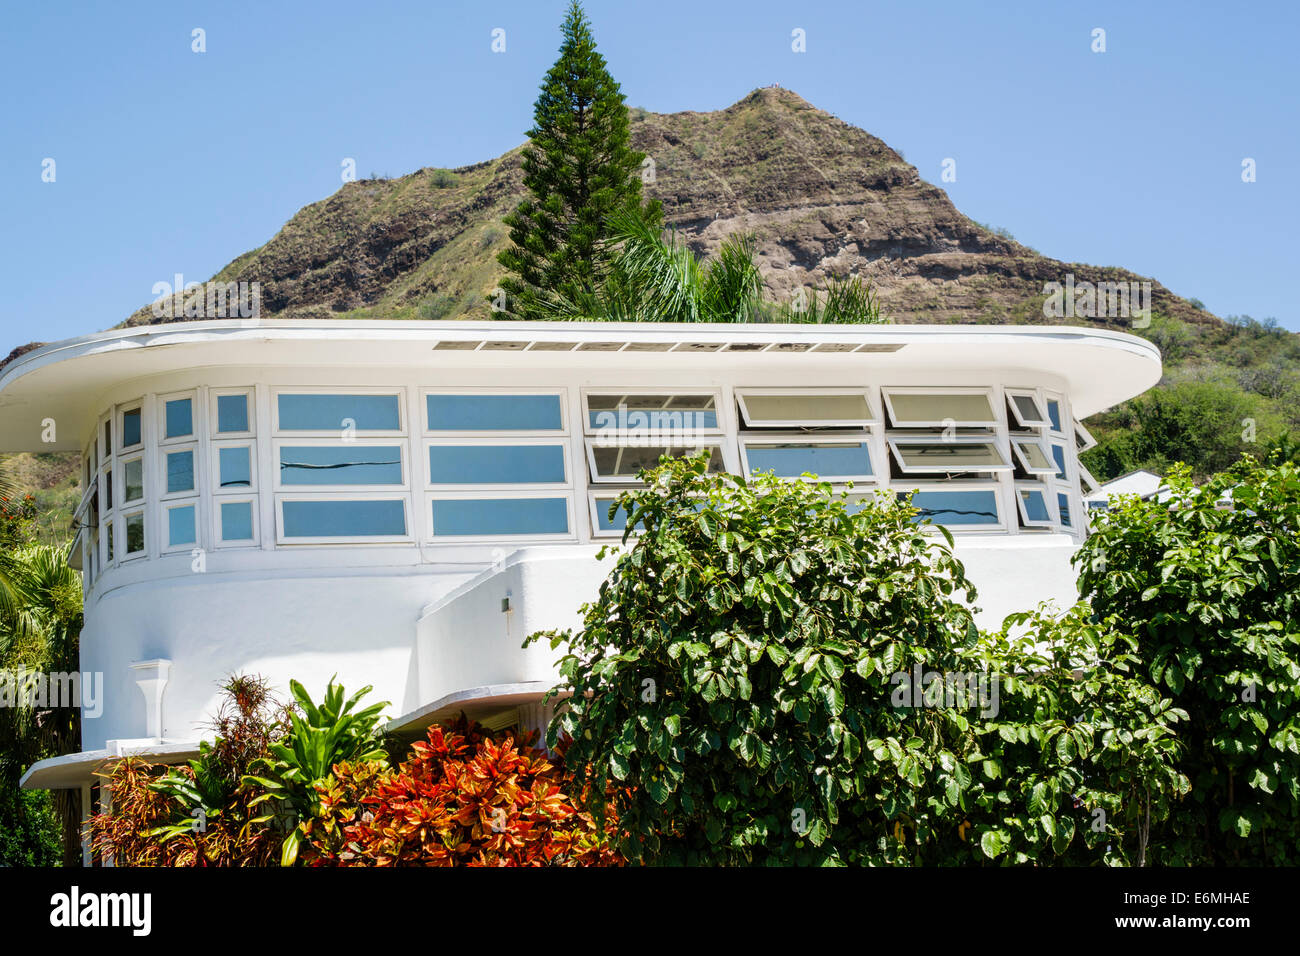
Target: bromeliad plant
<point>318,738</point>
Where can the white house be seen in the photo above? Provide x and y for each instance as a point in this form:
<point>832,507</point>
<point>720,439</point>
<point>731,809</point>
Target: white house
<point>400,503</point>
<point>1144,484</point>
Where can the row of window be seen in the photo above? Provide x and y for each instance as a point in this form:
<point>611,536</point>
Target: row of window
<point>498,464</point>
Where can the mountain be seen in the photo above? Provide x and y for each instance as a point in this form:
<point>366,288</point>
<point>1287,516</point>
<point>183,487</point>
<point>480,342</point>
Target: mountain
<point>822,197</point>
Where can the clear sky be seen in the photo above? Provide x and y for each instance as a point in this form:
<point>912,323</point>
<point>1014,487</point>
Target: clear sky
<point>170,161</point>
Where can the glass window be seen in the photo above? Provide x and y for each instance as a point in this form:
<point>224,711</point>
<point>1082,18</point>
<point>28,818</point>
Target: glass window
<point>343,519</point>
<point>827,459</point>
<point>957,507</point>
<point>1033,506</point>
<point>622,463</point>
<point>236,521</point>
<point>1025,407</point>
<point>180,471</point>
<point>1033,456</point>
<point>496,464</point>
<point>131,428</point>
<point>848,409</point>
<point>651,412</point>
<point>934,409</point>
<point>493,516</point>
<point>234,467</point>
<point>232,413</point>
<point>108,540</point>
<point>108,488</point>
<point>330,413</point>
<point>108,438</point>
<point>132,480</point>
<point>1058,454</point>
<point>1054,414</point>
<point>180,526</point>
<point>135,533</point>
<point>1083,439</point>
<point>178,418</point>
<point>603,521</point>
<point>1063,505</point>
<point>948,456</point>
<point>474,413</point>
<point>341,465</point>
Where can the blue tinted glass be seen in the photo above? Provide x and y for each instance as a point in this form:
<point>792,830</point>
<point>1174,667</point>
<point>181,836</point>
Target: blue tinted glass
<point>1054,413</point>
<point>957,507</point>
<point>236,521</point>
<point>1063,503</point>
<point>179,418</point>
<point>180,471</point>
<point>604,522</point>
<point>180,526</point>
<point>341,465</point>
<point>343,519</point>
<point>465,516</point>
<point>494,412</point>
<point>495,464</point>
<point>234,467</point>
<point>1035,505</point>
<point>328,413</point>
<point>1058,452</point>
<point>232,413</point>
<point>790,461</point>
<point>131,428</point>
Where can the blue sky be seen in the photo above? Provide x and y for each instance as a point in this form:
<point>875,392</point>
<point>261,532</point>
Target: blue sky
<point>170,161</point>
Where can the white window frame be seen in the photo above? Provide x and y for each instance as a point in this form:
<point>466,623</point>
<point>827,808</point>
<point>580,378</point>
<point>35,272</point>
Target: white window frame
<point>815,438</point>
<point>594,510</point>
<point>164,532</point>
<point>119,419</point>
<point>1041,488</point>
<point>516,492</point>
<point>993,486</point>
<point>888,392</point>
<point>215,466</point>
<point>125,516</point>
<point>163,493</point>
<point>396,495</point>
<point>1087,480</point>
<point>549,433</point>
<point>120,479</point>
<point>252,502</point>
<point>481,439</point>
<point>1062,412</point>
<point>403,447</point>
<point>1043,421</point>
<point>714,393</point>
<point>196,411</point>
<point>930,439</point>
<point>1083,439</point>
<point>214,394</point>
<point>719,442</point>
<point>1023,459</point>
<point>746,422</point>
<point>336,434</point>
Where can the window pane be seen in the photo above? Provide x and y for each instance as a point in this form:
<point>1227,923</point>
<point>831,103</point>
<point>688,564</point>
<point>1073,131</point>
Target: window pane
<point>1063,504</point>
<point>495,464</point>
<point>1033,454</point>
<point>131,428</point>
<point>232,413</point>
<point>807,408</point>
<point>343,519</point>
<point>930,408</point>
<point>237,521</point>
<point>108,488</point>
<point>494,412</point>
<point>234,467</point>
<point>133,480</point>
<point>1035,504</point>
<point>180,471</point>
<point>341,465</point>
<point>179,418</point>
<point>108,540</point>
<point>1027,409</point>
<point>180,526</point>
<point>1054,414</point>
<point>792,459</point>
<point>604,522</point>
<point>950,456</point>
<point>487,516</point>
<point>663,412</point>
<point>108,438</point>
<point>621,462</point>
<point>328,413</point>
<point>1058,453</point>
<point>957,507</point>
<point>134,533</point>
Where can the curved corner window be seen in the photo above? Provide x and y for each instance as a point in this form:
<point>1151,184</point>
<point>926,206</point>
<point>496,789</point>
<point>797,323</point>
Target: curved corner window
<point>178,418</point>
<point>131,428</point>
<point>132,480</point>
<point>134,533</point>
<point>1063,505</point>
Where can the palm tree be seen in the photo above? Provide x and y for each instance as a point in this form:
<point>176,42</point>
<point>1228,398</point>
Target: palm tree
<point>654,279</point>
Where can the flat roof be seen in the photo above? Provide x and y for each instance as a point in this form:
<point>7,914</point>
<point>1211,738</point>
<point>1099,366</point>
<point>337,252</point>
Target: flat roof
<point>63,380</point>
